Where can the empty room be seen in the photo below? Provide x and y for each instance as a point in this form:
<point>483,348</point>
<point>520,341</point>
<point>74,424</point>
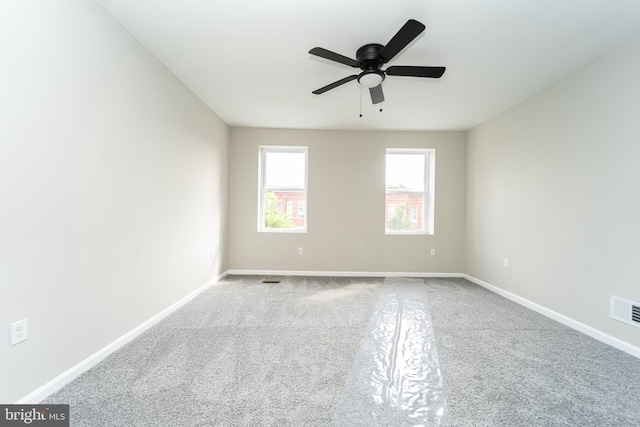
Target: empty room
<point>337,213</point>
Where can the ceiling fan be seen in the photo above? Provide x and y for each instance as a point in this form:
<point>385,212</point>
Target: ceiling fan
<point>371,57</point>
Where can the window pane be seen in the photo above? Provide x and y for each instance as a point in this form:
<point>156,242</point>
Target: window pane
<point>274,217</point>
<point>405,171</point>
<point>285,170</point>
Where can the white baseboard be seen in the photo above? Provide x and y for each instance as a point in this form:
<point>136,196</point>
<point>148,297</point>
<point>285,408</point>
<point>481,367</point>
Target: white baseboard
<point>340,273</point>
<point>70,374</point>
<point>574,324</point>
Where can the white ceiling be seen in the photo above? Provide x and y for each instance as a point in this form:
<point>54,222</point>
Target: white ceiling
<point>248,59</point>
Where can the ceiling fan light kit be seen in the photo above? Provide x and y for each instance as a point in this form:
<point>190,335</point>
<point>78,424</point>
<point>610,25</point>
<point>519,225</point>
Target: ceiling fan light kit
<point>371,57</point>
<point>371,78</point>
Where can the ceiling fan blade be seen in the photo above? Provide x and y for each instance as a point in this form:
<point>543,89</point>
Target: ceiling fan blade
<point>432,72</point>
<point>407,33</point>
<point>332,56</point>
<point>376,94</point>
<point>334,85</point>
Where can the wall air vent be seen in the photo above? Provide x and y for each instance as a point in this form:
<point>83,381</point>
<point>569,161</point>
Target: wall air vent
<point>271,281</point>
<point>625,310</point>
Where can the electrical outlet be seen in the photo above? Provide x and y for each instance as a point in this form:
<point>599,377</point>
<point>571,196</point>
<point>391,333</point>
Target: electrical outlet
<point>18,331</point>
<point>433,251</point>
<point>300,251</point>
<point>506,263</point>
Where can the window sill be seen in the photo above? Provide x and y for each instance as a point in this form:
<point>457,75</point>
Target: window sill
<point>281,230</point>
<point>407,233</point>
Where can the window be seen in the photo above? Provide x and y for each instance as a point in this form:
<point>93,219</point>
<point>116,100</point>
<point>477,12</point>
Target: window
<point>409,191</point>
<point>391,211</point>
<point>283,182</point>
<point>301,209</point>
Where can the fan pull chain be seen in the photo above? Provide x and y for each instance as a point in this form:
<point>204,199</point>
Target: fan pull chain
<point>360,100</point>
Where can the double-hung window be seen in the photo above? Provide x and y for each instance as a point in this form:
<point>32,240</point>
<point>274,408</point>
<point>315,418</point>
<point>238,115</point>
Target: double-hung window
<point>283,184</point>
<point>409,191</point>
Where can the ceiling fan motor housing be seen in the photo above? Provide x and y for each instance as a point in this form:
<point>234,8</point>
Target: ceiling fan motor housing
<point>368,57</point>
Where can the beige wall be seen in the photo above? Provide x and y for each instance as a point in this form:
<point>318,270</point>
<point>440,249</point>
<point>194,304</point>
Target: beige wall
<point>113,187</point>
<point>346,204</point>
<point>552,184</point>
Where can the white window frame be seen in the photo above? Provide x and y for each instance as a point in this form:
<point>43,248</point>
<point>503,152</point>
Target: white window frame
<point>428,209</point>
<point>262,158</point>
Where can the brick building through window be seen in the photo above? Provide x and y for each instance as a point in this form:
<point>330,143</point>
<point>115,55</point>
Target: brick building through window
<point>293,204</point>
<point>413,208</point>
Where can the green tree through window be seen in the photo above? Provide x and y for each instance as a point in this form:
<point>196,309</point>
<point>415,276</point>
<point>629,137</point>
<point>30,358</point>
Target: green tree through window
<point>400,221</point>
<point>273,218</point>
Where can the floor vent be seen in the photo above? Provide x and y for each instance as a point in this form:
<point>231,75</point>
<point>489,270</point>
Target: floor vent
<point>271,281</point>
<point>625,310</point>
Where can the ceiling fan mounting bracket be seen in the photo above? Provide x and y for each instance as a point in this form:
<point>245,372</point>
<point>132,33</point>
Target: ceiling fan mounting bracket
<point>368,57</point>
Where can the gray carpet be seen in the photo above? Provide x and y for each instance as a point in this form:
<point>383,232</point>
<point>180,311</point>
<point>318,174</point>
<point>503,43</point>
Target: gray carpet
<point>246,353</point>
<point>241,354</point>
<point>505,365</point>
